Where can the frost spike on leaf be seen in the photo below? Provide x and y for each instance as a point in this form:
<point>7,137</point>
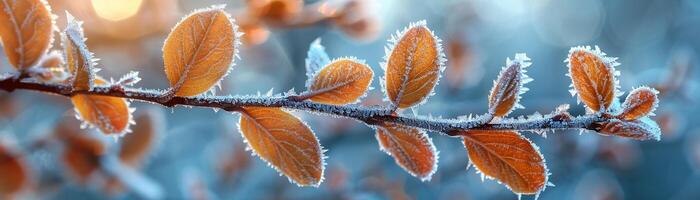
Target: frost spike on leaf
<point>639,103</point>
<point>200,51</point>
<point>411,148</point>
<point>13,170</point>
<point>343,81</point>
<point>26,29</point>
<point>509,158</point>
<point>316,59</point>
<point>129,79</point>
<point>285,143</point>
<point>640,129</point>
<point>508,87</point>
<point>593,76</point>
<point>414,61</point>
<point>111,115</point>
<point>79,59</point>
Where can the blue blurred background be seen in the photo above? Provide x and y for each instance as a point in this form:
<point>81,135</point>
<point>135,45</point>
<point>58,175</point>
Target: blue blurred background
<point>200,153</point>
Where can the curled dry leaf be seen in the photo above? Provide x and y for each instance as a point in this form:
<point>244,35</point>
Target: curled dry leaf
<point>639,103</point>
<point>14,172</point>
<point>285,142</point>
<point>26,29</point>
<point>139,143</point>
<point>593,76</point>
<point>200,51</point>
<point>111,115</point>
<point>343,81</point>
<point>639,129</point>
<point>509,158</point>
<point>79,59</point>
<point>412,149</point>
<point>508,87</point>
<point>413,65</point>
<point>81,151</point>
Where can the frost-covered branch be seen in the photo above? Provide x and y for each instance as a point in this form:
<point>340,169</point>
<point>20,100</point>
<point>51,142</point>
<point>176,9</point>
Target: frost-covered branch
<point>369,115</point>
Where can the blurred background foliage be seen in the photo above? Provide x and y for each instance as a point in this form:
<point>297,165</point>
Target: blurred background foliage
<point>199,154</point>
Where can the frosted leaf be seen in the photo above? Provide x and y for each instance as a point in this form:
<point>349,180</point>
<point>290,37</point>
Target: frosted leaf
<point>285,142</point>
<point>411,148</point>
<point>111,115</point>
<point>26,30</point>
<point>80,61</point>
<point>641,129</point>
<point>316,59</point>
<point>639,103</point>
<point>594,77</point>
<point>200,51</point>
<point>509,158</point>
<point>413,65</point>
<point>342,81</point>
<point>508,87</point>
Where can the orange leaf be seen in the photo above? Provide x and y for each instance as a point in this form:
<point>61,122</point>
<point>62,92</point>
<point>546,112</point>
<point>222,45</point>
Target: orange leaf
<point>412,149</point>
<point>343,81</point>
<point>413,65</point>
<point>111,115</point>
<point>26,29</point>
<point>136,145</point>
<point>285,142</point>
<point>639,103</point>
<point>79,59</point>
<point>81,152</point>
<point>507,89</point>
<point>200,51</point>
<point>509,158</point>
<point>14,172</point>
<point>593,76</point>
<point>640,129</point>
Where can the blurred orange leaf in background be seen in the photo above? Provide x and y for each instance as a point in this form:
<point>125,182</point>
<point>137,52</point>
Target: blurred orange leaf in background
<point>14,172</point>
<point>81,151</point>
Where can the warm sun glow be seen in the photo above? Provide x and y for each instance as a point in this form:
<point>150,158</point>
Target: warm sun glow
<point>115,10</point>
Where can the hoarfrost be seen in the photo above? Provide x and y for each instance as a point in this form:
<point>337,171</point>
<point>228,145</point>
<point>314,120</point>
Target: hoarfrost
<point>316,59</point>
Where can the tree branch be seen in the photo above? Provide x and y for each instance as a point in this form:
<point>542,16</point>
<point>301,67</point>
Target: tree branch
<point>371,115</point>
